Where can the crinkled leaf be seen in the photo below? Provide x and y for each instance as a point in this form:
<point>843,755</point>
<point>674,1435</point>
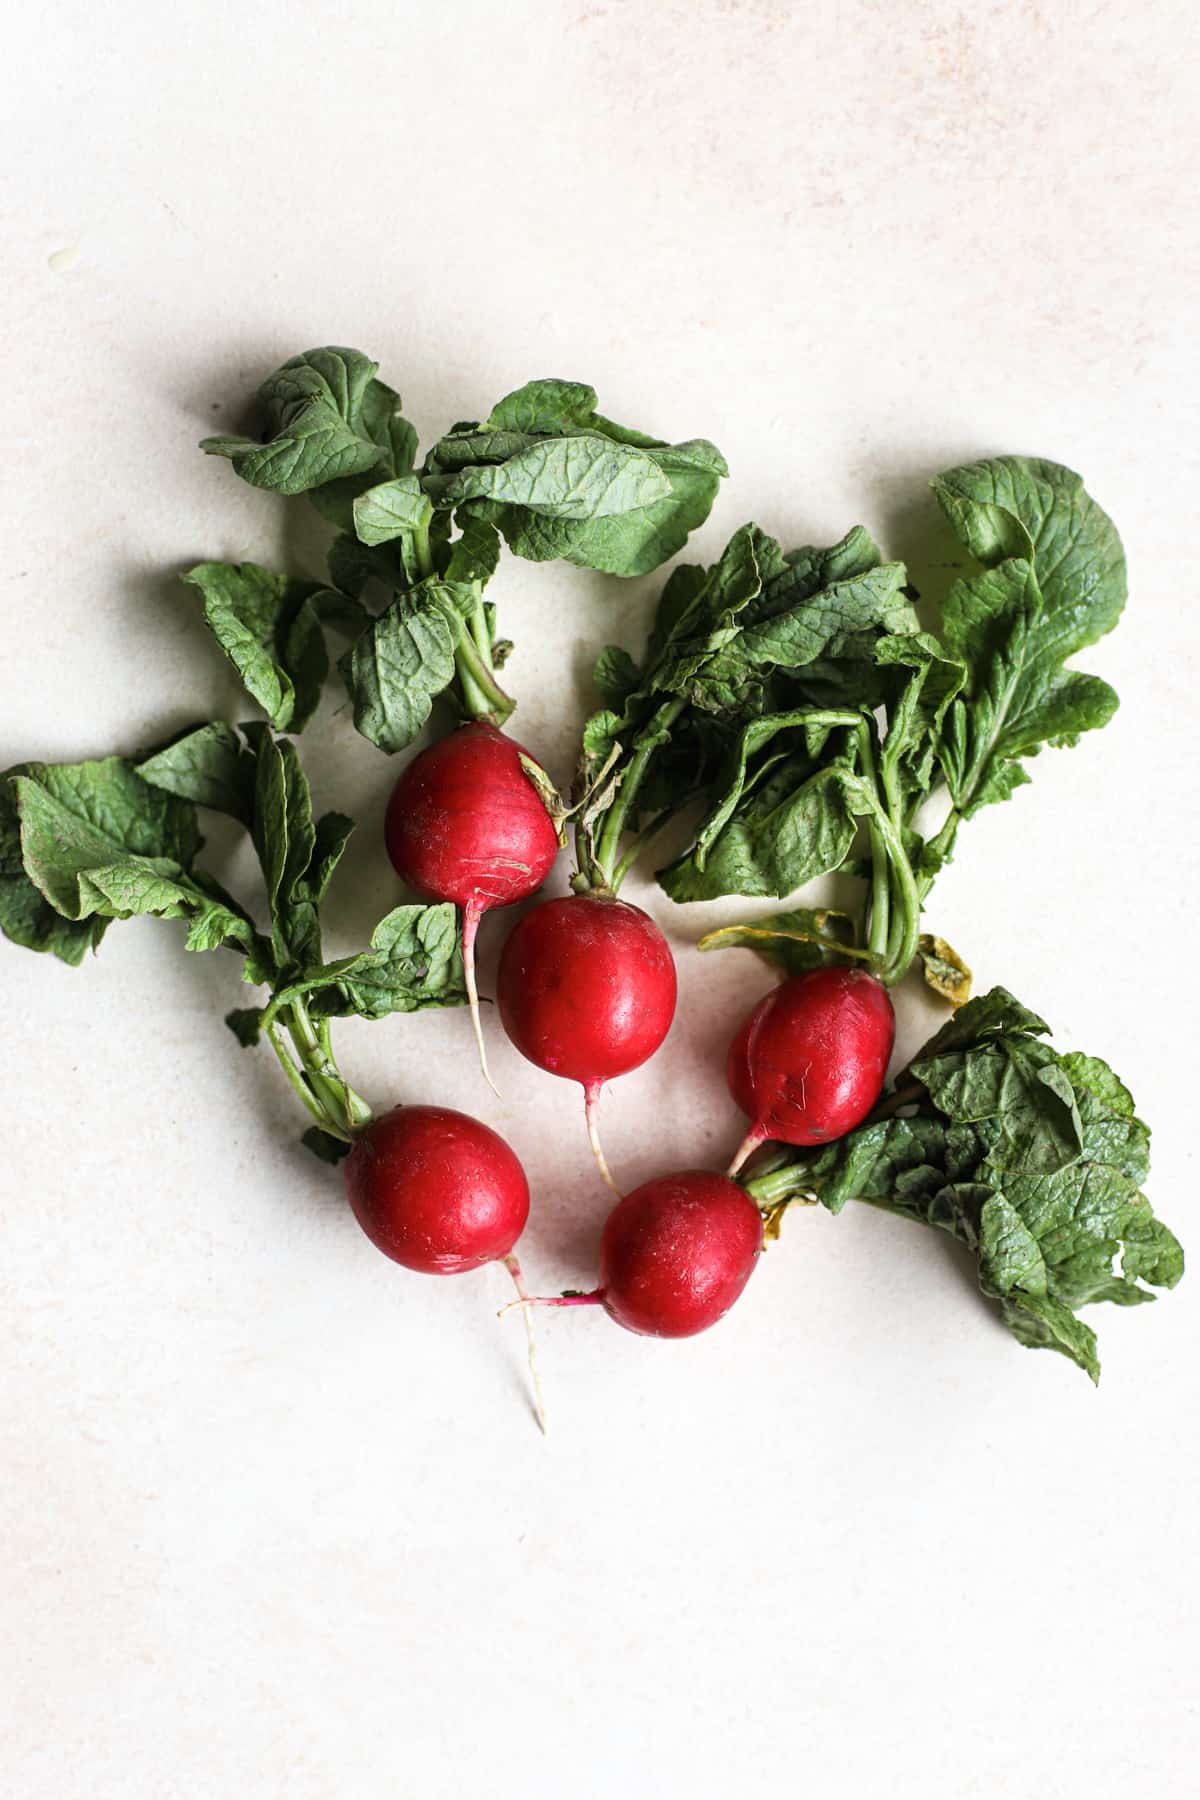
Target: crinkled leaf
<point>26,916</point>
<point>399,666</point>
<point>415,961</point>
<point>546,406</point>
<point>390,509</point>
<point>325,418</point>
<point>581,477</point>
<point>269,627</point>
<point>633,542</point>
<point>207,765</point>
<point>1051,1233</point>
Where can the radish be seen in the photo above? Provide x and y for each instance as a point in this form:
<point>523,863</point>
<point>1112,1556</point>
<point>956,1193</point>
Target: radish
<point>675,1255</point>
<point>586,989</point>
<point>466,823</point>
<point>809,1063</point>
<point>441,1193</point>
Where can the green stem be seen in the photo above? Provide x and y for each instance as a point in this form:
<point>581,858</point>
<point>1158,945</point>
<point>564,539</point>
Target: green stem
<point>941,846</point>
<point>639,843</point>
<point>877,937</point>
<point>424,550</point>
<point>788,1183</point>
<point>307,1098</point>
<point>483,696</point>
<point>610,869</point>
<point>908,899</point>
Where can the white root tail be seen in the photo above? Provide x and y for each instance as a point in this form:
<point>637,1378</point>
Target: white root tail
<point>525,1301</point>
<point>591,1098</point>
<point>745,1150</point>
<point>471,917</point>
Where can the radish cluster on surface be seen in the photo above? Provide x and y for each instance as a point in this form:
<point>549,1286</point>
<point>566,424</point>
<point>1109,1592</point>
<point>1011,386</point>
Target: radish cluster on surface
<point>587,990</point>
<point>465,823</point>
<point>810,1061</point>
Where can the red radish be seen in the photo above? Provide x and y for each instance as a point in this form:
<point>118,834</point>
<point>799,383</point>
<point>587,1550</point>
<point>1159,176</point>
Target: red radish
<point>466,823</point>
<point>441,1193</point>
<point>809,1063</point>
<point>675,1255</point>
<point>586,989</point>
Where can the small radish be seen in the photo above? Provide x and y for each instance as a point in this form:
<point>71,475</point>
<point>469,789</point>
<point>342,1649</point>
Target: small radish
<point>809,1063</point>
<point>441,1193</point>
<point>466,823</point>
<point>675,1255</point>
<point>587,990</point>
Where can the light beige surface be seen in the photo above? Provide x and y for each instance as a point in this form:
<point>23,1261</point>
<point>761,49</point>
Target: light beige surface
<point>275,1522</point>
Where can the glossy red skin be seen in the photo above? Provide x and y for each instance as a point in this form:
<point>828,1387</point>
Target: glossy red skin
<point>677,1252</point>
<point>809,1063</point>
<point>465,823</point>
<point>436,1190</point>
<point>586,987</point>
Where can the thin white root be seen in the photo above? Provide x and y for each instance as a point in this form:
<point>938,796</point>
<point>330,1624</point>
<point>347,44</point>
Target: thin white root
<point>469,926</point>
<point>525,1302</point>
<point>745,1150</point>
<point>591,1098</point>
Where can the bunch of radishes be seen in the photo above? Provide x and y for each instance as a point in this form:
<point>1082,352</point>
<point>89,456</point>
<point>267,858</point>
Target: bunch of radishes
<point>587,990</point>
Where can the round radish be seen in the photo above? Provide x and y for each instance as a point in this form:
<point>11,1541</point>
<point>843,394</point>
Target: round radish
<point>675,1255</point>
<point>436,1190</point>
<point>587,990</point>
<point>466,823</point>
<point>810,1061</point>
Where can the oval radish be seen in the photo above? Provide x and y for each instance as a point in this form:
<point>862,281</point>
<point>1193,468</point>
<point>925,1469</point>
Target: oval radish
<point>675,1255</point>
<point>436,1190</point>
<point>810,1061</point>
<point>466,823</point>
<point>587,990</point>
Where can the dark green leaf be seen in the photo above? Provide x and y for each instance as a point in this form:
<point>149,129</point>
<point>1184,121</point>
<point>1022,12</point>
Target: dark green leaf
<point>326,417</point>
<point>208,766</point>
<point>26,916</point>
<point>399,666</point>
<point>415,961</point>
<point>269,627</point>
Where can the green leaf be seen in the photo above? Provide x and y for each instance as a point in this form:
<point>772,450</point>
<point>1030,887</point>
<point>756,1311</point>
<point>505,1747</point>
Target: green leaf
<point>1053,582</point>
<point>546,406</point>
<point>390,509</point>
<point>399,666</point>
<point>769,833</point>
<point>475,556</point>
<point>415,961</point>
<point>245,1022</point>
<point>324,1146</point>
<point>97,840</point>
<point>616,675</point>
<point>577,477</point>
<point>208,766</point>
<point>981,1155</point>
<point>26,916</point>
<point>1016,1084</point>
<point>1039,511</point>
<point>802,938</point>
<point>634,542</point>
<point>269,627</point>
<point>326,418</point>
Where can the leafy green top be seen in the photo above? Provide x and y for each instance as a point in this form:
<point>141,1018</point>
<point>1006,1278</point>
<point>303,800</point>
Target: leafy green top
<point>1032,1159</point>
<point>795,696</point>
<point>546,471</point>
<point>82,844</point>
